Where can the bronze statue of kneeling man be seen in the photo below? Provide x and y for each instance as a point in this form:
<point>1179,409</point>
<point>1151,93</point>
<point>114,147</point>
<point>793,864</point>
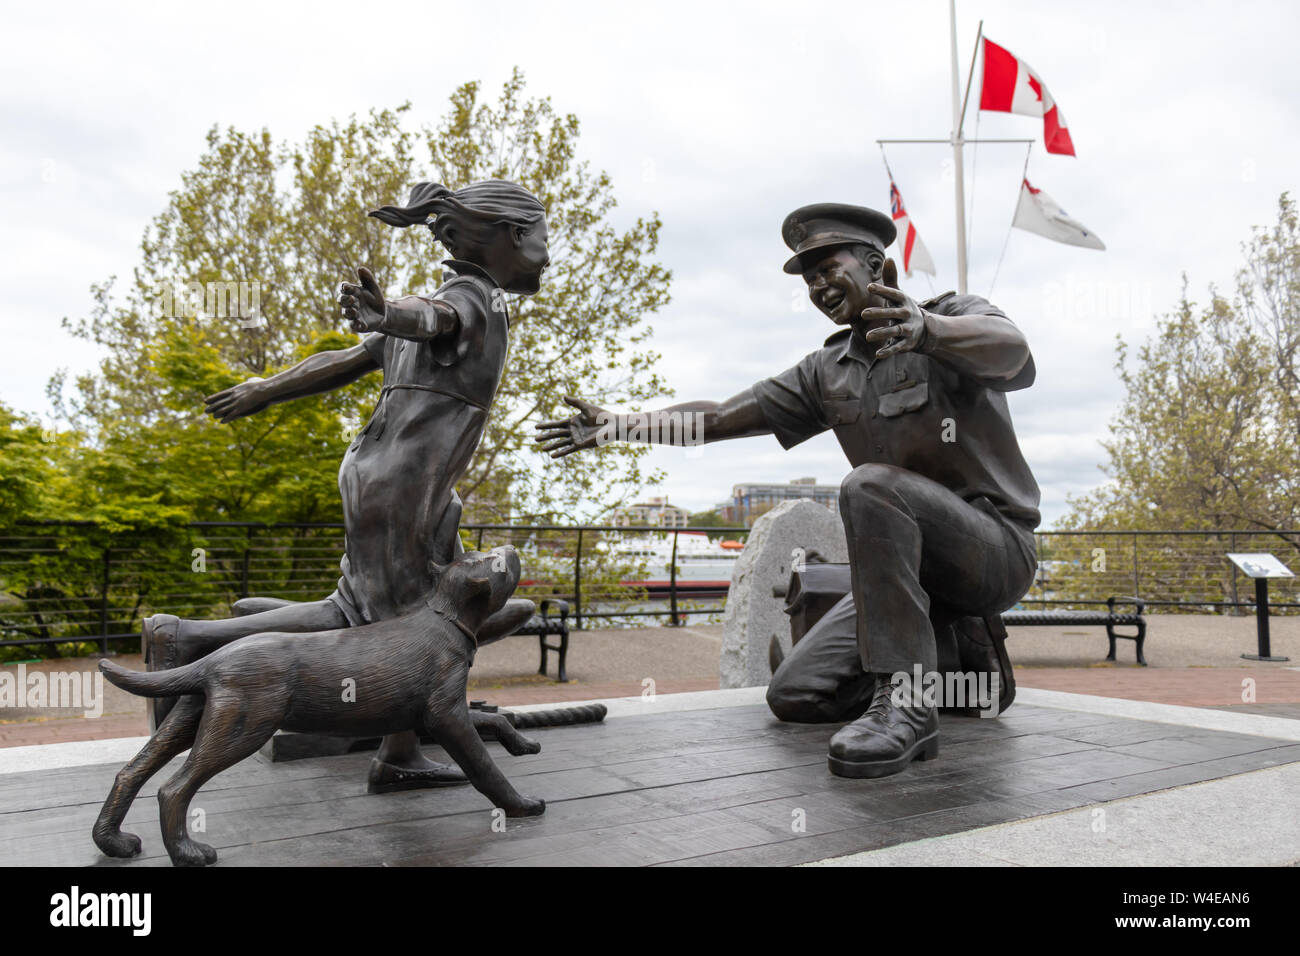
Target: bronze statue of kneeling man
<point>406,673</point>
<point>940,507</point>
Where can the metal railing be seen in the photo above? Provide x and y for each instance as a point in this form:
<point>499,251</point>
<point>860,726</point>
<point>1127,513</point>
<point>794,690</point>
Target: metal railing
<point>66,582</point>
<point>1186,570</point>
<point>680,595</point>
<point>63,582</point>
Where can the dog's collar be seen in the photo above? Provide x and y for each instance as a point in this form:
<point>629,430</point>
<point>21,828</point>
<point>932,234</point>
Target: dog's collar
<point>464,628</point>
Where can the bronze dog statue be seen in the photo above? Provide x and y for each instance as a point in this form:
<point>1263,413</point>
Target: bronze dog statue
<point>406,673</point>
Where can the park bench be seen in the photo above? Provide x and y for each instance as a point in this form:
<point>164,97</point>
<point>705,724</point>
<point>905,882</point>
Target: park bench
<point>816,588</point>
<point>541,625</point>
<point>1109,619</point>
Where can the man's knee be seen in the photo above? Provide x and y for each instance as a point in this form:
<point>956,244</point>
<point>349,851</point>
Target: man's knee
<point>871,477</point>
<point>867,484</point>
<point>790,703</point>
<point>800,701</point>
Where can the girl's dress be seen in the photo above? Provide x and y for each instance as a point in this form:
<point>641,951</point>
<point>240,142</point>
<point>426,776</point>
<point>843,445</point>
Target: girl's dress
<point>398,478</point>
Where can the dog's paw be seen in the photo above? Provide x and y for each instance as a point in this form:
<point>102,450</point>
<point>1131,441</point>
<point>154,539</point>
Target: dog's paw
<point>527,807</point>
<point>192,853</point>
<point>116,843</point>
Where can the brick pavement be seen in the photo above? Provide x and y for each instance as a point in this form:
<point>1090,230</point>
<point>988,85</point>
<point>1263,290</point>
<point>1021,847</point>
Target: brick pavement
<point>1190,686</point>
<point>1194,663</point>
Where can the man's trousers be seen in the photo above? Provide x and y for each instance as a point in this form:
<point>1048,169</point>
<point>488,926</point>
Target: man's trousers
<point>920,556</point>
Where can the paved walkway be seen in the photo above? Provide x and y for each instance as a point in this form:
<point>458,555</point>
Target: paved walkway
<point>1194,661</point>
<point>1244,820</point>
<point>1191,686</point>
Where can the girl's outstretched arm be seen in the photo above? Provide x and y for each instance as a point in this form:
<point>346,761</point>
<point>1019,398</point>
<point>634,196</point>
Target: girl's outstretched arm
<point>322,372</point>
<point>413,317</point>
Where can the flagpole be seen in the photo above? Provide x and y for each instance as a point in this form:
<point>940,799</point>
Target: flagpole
<point>956,139</point>
<point>957,151</point>
<point>970,77</point>
<point>961,127</point>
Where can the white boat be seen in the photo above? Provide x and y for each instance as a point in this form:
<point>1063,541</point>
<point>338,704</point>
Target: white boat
<point>702,565</point>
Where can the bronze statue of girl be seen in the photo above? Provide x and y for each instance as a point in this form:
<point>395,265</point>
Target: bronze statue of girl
<point>442,357</point>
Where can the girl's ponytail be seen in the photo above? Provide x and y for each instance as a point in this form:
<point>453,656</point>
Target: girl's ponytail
<point>426,198</point>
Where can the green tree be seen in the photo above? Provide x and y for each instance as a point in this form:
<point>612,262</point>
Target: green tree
<point>1207,436</point>
<point>709,519</point>
<point>288,222</point>
<point>29,466</point>
<point>51,575</point>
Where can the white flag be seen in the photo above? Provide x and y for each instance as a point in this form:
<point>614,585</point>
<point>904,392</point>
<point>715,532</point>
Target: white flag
<point>1038,212</point>
<point>915,255</point>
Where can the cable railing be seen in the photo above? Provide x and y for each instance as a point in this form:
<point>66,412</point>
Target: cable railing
<point>64,582</point>
<point>77,582</point>
<point>1177,570</point>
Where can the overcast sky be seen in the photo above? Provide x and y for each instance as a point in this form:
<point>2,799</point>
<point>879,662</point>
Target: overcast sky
<point>722,118</point>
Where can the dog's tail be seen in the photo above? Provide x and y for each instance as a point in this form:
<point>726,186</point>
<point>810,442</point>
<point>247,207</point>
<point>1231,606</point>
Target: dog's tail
<point>169,683</point>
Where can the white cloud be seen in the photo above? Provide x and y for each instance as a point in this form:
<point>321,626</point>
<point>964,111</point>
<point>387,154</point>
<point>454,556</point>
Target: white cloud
<point>722,118</point>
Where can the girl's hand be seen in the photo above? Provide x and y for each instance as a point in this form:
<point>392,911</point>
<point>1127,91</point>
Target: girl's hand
<point>363,305</point>
<point>238,401</point>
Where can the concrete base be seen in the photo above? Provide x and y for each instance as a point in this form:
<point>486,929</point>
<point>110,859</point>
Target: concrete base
<point>709,778</point>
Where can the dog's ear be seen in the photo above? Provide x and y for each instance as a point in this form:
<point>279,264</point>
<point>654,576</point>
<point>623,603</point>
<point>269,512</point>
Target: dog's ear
<point>474,589</point>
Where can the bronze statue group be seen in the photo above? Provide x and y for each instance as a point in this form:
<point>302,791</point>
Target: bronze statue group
<point>939,509</point>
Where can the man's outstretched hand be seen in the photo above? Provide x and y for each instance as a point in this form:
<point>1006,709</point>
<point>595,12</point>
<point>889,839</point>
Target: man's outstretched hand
<point>564,436</point>
<point>238,401</point>
<point>363,304</point>
<point>905,322</point>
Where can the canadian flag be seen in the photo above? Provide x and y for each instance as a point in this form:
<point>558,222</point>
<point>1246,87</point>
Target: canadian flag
<point>1038,212</point>
<point>1012,86</point>
<point>915,255</point>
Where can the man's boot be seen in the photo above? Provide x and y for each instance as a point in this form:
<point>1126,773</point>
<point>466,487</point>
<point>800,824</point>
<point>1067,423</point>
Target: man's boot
<point>886,738</point>
<point>982,644</point>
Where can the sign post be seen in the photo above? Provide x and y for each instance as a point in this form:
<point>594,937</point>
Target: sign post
<point>1261,567</point>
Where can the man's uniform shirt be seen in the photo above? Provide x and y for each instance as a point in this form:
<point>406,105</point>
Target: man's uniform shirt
<point>899,410</point>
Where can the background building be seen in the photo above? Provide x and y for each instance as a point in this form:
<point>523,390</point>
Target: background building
<point>656,511</point>
<point>748,501</point>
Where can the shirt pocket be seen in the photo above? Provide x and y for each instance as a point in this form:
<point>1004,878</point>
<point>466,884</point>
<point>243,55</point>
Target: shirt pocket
<point>912,396</point>
<point>841,410</point>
